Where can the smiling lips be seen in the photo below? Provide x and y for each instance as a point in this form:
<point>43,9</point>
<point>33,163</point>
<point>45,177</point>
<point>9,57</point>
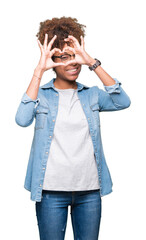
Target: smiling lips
<point>72,70</point>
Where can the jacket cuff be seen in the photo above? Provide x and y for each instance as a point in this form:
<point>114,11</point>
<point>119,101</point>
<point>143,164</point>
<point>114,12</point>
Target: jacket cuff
<point>26,99</point>
<point>113,88</point>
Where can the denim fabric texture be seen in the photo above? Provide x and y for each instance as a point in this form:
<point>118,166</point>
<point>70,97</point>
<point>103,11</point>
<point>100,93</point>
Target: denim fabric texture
<point>44,110</point>
<point>85,210</point>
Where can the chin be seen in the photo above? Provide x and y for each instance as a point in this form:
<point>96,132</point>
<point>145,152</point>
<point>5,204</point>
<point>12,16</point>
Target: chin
<point>73,78</point>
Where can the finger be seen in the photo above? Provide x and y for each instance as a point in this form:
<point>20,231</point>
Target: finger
<point>58,64</point>
<point>69,48</point>
<point>51,42</point>
<point>68,40</point>
<point>40,45</point>
<point>54,50</point>
<point>70,62</point>
<point>82,42</point>
<point>74,40</point>
<point>45,41</point>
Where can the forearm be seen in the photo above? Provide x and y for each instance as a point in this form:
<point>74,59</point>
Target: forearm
<point>32,90</point>
<point>106,79</point>
<point>25,112</point>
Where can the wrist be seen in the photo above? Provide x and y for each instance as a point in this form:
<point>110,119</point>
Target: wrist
<point>39,71</point>
<point>90,62</point>
<point>95,65</point>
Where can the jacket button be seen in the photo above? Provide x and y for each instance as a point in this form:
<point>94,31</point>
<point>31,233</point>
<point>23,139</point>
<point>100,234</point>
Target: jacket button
<point>53,120</point>
<point>50,136</point>
<point>37,111</point>
<point>40,185</point>
<point>46,152</point>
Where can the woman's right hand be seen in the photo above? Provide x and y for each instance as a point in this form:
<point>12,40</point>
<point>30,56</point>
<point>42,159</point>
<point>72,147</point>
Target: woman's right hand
<point>46,62</point>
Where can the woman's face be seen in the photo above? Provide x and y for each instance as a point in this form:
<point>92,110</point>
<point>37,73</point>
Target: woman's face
<point>69,72</point>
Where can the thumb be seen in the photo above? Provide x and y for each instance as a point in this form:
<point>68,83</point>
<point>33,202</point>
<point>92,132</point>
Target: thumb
<point>70,62</point>
<point>59,64</point>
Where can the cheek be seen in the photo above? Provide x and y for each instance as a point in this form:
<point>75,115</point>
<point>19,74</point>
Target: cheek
<point>59,69</point>
<point>80,67</point>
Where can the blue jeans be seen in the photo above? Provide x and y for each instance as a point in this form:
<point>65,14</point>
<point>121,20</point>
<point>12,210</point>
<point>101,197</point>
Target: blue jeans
<point>52,214</point>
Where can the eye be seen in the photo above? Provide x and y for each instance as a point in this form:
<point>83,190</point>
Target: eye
<point>65,57</point>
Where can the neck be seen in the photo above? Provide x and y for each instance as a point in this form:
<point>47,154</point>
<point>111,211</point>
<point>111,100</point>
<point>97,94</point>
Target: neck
<point>65,84</point>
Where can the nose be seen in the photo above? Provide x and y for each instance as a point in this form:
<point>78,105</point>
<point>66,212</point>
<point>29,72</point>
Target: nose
<point>74,65</point>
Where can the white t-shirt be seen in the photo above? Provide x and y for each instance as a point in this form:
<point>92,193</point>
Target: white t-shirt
<point>71,164</point>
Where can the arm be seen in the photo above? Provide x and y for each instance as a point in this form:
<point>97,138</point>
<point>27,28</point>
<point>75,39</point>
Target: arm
<point>106,79</point>
<point>114,98</point>
<point>27,108</point>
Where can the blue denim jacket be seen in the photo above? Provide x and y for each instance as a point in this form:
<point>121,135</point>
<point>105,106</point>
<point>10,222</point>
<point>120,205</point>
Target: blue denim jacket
<point>44,110</point>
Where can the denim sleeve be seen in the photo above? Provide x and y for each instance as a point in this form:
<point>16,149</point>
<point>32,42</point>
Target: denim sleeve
<point>26,111</point>
<point>113,98</point>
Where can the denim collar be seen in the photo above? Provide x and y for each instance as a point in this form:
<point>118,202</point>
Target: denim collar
<point>50,84</point>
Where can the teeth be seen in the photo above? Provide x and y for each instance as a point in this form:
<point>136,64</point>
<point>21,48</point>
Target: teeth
<point>72,70</point>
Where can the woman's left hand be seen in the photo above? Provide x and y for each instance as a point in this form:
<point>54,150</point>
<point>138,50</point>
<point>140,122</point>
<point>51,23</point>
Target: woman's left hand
<point>81,56</point>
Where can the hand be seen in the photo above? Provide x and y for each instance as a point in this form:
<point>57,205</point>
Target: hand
<point>81,56</point>
<point>46,61</point>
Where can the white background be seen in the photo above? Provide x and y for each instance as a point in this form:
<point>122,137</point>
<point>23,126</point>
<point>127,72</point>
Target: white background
<point>115,34</point>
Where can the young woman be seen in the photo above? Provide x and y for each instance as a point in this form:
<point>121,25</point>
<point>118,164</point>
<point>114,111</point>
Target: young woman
<point>67,166</point>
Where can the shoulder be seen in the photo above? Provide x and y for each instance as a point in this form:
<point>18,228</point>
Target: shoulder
<point>93,90</point>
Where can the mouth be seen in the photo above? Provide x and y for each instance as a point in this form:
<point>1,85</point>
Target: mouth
<point>73,71</point>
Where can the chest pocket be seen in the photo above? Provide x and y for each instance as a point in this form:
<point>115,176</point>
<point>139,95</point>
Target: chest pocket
<point>41,116</point>
<point>95,114</point>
